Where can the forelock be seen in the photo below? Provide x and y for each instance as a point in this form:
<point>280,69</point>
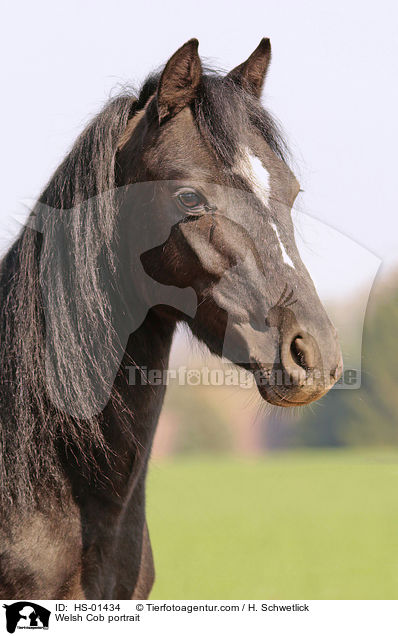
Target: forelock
<point>225,113</point>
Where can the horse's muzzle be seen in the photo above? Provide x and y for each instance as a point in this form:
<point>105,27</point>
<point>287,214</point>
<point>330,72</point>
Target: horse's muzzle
<point>305,370</point>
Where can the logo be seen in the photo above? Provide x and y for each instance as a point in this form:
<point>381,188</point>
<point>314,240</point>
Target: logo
<point>26,615</point>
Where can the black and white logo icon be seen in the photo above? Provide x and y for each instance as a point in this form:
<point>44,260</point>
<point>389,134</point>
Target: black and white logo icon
<point>26,615</point>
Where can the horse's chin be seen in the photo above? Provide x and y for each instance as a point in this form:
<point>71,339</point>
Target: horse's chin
<point>292,396</point>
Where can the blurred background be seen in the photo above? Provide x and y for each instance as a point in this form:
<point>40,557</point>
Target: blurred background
<point>245,501</point>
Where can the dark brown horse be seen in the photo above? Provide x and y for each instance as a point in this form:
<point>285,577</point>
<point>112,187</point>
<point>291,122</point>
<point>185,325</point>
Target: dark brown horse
<point>172,206</point>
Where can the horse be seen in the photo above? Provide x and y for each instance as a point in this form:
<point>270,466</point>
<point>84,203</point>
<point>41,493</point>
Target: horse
<point>172,207</point>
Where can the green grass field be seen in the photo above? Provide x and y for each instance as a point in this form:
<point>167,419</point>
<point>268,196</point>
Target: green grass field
<point>302,525</point>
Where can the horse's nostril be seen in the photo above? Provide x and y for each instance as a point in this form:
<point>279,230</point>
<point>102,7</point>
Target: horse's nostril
<point>302,352</point>
<point>296,351</point>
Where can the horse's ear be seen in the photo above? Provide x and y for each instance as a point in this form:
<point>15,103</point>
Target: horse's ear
<point>251,73</point>
<point>179,81</point>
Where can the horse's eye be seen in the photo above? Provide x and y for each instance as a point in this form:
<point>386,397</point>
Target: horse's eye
<point>192,201</point>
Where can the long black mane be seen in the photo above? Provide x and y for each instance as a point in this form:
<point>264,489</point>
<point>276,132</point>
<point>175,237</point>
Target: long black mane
<point>79,304</point>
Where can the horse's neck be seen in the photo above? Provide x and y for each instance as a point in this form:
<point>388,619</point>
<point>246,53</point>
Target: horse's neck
<point>147,350</point>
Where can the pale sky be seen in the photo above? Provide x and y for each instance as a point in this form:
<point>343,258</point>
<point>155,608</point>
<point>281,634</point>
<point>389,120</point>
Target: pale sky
<point>332,84</point>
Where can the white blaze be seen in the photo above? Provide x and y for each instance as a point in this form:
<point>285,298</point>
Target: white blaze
<point>285,255</point>
<point>252,168</point>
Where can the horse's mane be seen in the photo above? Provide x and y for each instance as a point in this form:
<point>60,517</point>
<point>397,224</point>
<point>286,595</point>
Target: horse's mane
<point>31,426</point>
<point>79,304</point>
